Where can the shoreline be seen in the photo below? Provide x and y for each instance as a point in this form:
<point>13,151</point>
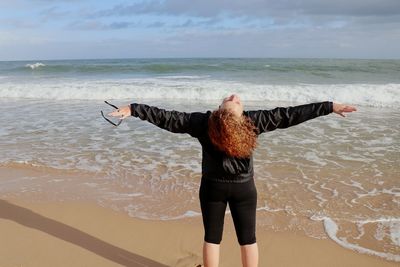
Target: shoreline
<point>77,233</point>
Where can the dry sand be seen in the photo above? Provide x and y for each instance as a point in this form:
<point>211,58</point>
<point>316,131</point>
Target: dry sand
<point>85,234</point>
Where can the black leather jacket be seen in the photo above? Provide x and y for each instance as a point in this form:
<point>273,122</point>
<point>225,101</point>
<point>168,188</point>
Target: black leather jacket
<point>216,165</point>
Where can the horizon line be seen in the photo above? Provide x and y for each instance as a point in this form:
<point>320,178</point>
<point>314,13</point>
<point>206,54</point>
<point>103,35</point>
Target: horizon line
<point>157,58</point>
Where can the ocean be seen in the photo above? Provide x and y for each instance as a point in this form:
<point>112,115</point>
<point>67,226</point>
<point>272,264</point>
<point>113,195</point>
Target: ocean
<point>330,177</point>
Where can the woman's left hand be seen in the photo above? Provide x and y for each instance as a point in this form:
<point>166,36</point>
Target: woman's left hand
<point>341,108</point>
<point>122,112</point>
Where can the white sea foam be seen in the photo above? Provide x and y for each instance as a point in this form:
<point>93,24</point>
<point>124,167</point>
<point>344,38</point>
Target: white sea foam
<point>332,228</point>
<point>183,77</point>
<point>269,209</point>
<point>187,214</point>
<point>196,88</point>
<point>395,233</point>
<point>133,211</point>
<point>35,65</point>
<point>312,156</point>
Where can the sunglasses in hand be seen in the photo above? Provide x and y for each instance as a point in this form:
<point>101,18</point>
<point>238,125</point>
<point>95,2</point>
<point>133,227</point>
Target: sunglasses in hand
<point>113,123</point>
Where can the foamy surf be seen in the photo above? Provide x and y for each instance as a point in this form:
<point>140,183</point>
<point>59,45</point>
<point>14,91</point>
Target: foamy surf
<point>202,89</point>
<point>332,229</point>
<point>35,65</point>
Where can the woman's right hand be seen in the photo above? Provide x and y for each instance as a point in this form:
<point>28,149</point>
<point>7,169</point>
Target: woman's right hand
<point>340,109</point>
<point>121,113</point>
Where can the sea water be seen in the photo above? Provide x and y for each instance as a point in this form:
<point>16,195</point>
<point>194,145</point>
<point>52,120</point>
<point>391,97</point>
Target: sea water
<point>330,177</point>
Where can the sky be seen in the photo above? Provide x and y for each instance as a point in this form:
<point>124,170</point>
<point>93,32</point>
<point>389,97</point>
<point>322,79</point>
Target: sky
<point>85,29</point>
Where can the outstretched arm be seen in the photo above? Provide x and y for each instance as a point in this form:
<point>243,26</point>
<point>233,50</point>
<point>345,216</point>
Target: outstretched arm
<point>269,120</point>
<point>173,121</point>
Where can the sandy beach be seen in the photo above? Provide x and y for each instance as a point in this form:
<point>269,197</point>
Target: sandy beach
<point>85,234</point>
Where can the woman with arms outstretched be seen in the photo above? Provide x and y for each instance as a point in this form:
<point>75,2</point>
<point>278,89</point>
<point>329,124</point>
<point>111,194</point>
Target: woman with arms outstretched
<point>228,137</point>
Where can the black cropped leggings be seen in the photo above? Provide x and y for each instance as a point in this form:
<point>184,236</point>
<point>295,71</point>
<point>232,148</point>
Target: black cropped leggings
<point>242,199</point>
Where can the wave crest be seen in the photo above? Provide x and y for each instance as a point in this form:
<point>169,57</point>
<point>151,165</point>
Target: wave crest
<point>198,88</point>
<point>35,65</point>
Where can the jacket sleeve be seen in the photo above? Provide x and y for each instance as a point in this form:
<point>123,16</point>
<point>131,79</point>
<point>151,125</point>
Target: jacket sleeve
<point>280,117</point>
<point>173,121</point>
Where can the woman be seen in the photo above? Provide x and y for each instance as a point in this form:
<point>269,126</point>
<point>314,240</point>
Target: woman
<point>228,137</point>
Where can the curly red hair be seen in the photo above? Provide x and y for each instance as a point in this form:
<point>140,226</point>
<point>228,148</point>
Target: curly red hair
<point>235,137</point>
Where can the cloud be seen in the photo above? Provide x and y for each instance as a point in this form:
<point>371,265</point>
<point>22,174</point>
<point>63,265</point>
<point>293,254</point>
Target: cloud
<point>352,8</point>
<point>52,13</point>
<point>262,13</point>
<point>7,38</point>
<point>93,25</point>
<point>207,28</point>
<point>308,42</point>
<point>18,23</point>
<point>144,23</point>
<point>157,24</point>
<point>197,42</point>
<point>260,8</point>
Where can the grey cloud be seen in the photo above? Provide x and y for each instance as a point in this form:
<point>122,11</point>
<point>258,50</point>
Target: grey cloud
<point>119,25</point>
<point>157,24</point>
<point>352,8</point>
<point>18,24</point>
<point>22,4</point>
<point>193,23</point>
<point>98,24</point>
<point>85,25</point>
<point>212,8</point>
<point>188,42</point>
<point>283,28</point>
<point>315,42</point>
<point>116,25</point>
<point>205,8</point>
<point>53,13</point>
<point>53,1</point>
<point>264,13</point>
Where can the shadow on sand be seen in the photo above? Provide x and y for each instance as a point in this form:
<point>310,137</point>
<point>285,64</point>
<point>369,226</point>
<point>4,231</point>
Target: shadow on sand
<point>67,233</point>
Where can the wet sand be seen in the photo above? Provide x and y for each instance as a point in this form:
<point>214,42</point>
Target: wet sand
<point>85,234</point>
